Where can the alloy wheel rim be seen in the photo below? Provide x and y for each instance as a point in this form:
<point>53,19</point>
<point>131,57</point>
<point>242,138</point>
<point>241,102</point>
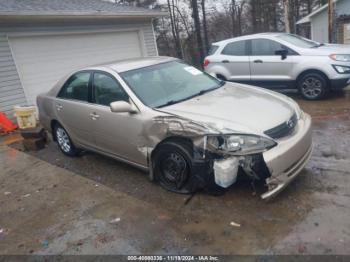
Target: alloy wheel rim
<point>312,87</point>
<point>63,139</point>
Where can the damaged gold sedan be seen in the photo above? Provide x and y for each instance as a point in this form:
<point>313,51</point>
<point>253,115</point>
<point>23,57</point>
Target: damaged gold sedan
<point>188,129</point>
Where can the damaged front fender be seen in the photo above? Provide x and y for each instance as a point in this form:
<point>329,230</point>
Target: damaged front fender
<point>211,165</point>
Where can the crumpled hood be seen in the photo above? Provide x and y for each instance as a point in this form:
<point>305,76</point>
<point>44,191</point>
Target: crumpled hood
<point>236,108</point>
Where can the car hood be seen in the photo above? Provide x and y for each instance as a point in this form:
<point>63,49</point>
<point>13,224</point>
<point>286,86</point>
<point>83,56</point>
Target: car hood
<point>236,108</point>
<point>328,49</point>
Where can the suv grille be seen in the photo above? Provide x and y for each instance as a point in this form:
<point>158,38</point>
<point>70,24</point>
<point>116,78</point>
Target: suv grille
<point>283,129</point>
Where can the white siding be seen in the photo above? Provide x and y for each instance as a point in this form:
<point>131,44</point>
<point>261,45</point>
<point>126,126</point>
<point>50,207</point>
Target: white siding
<point>319,28</point>
<point>319,22</point>
<point>11,91</point>
<point>43,60</point>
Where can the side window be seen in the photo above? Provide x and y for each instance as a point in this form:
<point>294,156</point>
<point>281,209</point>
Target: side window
<point>290,51</point>
<point>77,87</point>
<point>265,47</point>
<point>107,90</point>
<point>213,49</point>
<point>235,49</point>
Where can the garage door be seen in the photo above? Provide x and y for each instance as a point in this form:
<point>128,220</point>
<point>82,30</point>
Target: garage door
<point>43,60</point>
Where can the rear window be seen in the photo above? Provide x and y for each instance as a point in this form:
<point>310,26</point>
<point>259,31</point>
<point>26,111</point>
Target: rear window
<point>213,49</point>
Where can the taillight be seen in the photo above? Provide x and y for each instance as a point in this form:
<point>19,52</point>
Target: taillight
<point>206,62</point>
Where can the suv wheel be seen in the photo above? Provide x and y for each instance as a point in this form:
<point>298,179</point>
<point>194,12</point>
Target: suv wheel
<point>313,86</point>
<point>221,77</point>
<point>64,142</point>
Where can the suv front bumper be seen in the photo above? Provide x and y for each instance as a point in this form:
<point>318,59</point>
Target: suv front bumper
<point>288,158</point>
<point>337,84</point>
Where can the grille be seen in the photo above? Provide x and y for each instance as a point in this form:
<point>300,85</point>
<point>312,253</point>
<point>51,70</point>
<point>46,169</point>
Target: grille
<point>283,129</point>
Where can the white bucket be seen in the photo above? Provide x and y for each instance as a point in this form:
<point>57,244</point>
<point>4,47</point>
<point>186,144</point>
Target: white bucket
<point>25,116</point>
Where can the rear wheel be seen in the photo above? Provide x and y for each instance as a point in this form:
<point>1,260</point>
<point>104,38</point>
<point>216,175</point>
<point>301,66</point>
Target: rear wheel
<point>172,165</point>
<point>221,77</point>
<point>313,86</point>
<point>64,142</point>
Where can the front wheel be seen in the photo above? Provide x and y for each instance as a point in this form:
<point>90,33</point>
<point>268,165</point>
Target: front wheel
<point>172,164</point>
<point>313,86</point>
<point>64,142</point>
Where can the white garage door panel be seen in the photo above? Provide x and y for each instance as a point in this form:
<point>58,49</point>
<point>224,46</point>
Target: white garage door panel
<point>43,60</point>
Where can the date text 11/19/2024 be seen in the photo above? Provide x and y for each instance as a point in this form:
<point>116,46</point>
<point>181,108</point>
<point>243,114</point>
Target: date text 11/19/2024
<point>173,258</point>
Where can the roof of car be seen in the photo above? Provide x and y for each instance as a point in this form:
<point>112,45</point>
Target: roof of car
<point>135,63</point>
<point>246,37</point>
<point>73,8</point>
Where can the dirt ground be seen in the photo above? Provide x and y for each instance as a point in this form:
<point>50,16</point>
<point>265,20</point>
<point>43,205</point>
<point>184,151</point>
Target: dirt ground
<point>53,204</point>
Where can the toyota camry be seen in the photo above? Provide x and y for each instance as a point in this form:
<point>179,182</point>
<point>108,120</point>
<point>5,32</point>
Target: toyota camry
<point>186,128</point>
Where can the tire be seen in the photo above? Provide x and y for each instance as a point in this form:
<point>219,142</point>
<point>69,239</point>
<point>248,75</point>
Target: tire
<point>221,77</point>
<point>172,165</point>
<point>313,86</point>
<point>64,142</point>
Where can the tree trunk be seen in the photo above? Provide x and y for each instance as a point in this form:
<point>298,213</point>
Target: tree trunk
<point>197,26</point>
<point>330,21</point>
<point>174,30</point>
<point>233,20</point>
<point>254,18</point>
<point>205,28</point>
<point>309,6</point>
<point>286,15</point>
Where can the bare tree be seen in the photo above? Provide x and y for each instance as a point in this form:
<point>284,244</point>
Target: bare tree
<point>286,15</point>
<point>205,28</point>
<point>197,26</point>
<point>174,28</point>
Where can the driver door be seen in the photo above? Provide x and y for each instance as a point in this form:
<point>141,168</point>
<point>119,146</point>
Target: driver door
<point>117,134</point>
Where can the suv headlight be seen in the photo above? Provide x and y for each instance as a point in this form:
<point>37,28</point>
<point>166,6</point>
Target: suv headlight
<point>241,144</point>
<point>342,58</point>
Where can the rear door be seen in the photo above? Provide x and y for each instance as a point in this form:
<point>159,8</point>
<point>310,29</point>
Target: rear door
<point>267,68</point>
<point>235,59</point>
<point>73,108</point>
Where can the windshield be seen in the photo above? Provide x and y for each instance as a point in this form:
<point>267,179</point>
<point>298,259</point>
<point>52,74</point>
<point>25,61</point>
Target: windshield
<point>298,41</point>
<point>168,83</point>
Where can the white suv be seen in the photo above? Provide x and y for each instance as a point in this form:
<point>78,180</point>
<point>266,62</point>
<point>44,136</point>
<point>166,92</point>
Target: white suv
<point>281,61</point>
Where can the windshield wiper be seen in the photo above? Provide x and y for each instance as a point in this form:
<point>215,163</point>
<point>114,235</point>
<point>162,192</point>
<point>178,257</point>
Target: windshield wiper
<point>171,102</point>
<point>318,45</point>
<point>202,92</point>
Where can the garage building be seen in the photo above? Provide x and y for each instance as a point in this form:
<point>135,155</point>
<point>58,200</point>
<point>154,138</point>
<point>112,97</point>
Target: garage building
<point>43,40</point>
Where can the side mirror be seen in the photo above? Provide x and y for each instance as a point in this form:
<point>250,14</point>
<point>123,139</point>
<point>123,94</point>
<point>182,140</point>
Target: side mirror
<point>122,107</point>
<point>283,53</point>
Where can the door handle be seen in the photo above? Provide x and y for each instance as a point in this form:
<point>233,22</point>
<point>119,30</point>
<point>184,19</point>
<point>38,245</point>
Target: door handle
<point>225,61</point>
<point>258,61</point>
<point>59,107</point>
<point>94,116</point>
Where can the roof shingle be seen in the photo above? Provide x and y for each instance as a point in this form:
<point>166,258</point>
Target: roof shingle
<point>71,7</point>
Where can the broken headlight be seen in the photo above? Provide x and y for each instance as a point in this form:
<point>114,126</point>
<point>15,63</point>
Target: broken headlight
<point>241,144</point>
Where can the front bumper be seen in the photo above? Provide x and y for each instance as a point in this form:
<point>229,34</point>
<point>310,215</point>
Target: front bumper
<point>288,158</point>
<point>337,84</point>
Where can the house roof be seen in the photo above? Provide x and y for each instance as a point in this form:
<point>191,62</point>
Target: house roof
<point>307,18</point>
<point>73,8</point>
